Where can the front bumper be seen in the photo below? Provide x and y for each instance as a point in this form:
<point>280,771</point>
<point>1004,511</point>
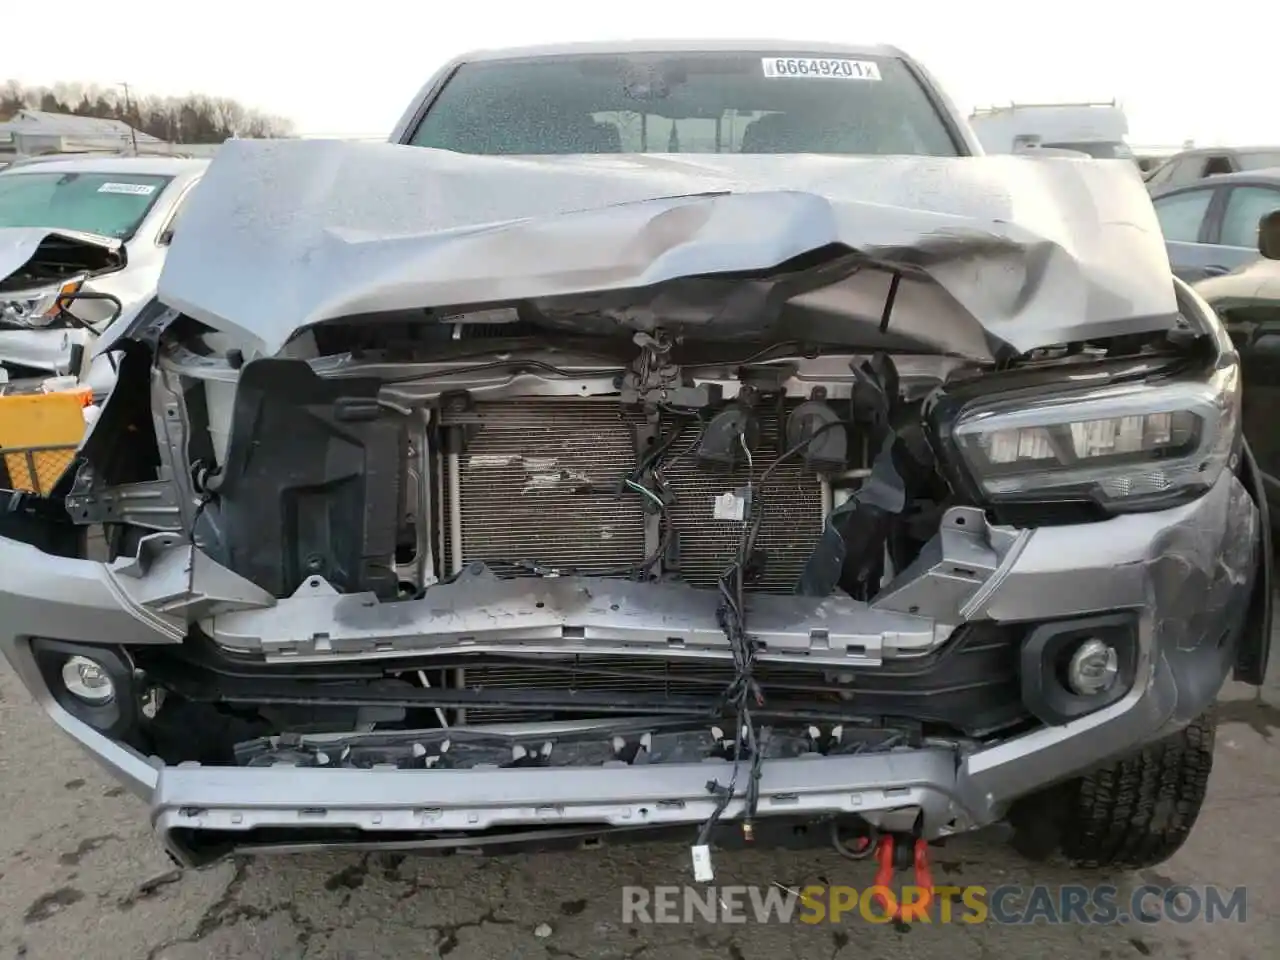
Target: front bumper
<point>1184,574</point>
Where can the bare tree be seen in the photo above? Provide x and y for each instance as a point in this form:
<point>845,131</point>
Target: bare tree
<point>194,118</point>
<point>11,99</point>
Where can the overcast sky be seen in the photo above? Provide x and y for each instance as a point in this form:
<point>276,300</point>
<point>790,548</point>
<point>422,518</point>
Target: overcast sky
<point>348,69</point>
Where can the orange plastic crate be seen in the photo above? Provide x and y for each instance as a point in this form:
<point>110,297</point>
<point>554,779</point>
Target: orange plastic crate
<point>39,435</point>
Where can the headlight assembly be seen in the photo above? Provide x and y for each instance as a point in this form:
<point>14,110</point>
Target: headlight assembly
<point>1128,447</point>
<point>36,307</point>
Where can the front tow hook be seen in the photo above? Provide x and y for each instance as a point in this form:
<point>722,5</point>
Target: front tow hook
<point>892,855</point>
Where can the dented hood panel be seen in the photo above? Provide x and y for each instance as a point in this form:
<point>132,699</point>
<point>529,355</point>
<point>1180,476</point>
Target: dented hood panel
<point>20,246</point>
<point>1028,252</point>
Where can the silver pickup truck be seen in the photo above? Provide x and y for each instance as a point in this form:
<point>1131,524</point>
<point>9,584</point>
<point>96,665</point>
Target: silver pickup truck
<point>697,437</point>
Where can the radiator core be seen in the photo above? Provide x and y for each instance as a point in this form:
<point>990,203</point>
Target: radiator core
<point>538,488</point>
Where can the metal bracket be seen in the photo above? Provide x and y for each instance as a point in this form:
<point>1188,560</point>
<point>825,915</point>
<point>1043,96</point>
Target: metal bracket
<point>152,504</point>
<point>953,567</point>
<point>149,549</point>
<point>653,378</point>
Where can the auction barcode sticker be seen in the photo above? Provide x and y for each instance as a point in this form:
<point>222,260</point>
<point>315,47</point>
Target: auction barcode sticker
<point>821,68</point>
<point>133,189</point>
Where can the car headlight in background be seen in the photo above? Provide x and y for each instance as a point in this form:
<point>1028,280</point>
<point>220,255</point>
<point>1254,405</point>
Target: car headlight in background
<point>39,306</point>
<point>1123,446</point>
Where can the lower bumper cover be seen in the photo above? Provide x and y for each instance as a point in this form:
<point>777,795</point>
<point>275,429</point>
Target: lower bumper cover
<point>1186,573</point>
<point>952,793</point>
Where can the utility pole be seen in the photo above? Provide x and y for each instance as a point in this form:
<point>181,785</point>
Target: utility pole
<point>128,107</point>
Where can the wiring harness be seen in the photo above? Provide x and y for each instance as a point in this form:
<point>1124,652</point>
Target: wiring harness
<point>744,691</point>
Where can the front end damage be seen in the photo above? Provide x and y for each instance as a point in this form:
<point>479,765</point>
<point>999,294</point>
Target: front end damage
<point>712,504</point>
<point>49,314</point>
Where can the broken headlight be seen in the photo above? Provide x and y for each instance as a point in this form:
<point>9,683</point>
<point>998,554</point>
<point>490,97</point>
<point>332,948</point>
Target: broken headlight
<point>1134,446</point>
<point>36,307</point>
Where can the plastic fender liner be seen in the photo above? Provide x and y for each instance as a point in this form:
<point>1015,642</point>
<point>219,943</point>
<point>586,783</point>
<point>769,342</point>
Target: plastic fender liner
<point>44,525</point>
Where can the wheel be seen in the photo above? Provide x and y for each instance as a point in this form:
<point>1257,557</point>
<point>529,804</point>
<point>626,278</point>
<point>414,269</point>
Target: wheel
<point>1135,812</point>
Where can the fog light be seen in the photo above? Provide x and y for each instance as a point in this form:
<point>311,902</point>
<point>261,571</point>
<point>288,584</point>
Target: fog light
<point>1093,668</point>
<point>87,680</point>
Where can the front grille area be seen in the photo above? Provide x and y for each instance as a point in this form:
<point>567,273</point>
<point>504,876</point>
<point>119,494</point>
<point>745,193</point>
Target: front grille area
<point>791,501</point>
<point>971,684</point>
<point>538,485</point>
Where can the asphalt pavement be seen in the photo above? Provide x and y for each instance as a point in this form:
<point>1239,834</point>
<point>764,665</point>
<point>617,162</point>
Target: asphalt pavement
<point>81,876</point>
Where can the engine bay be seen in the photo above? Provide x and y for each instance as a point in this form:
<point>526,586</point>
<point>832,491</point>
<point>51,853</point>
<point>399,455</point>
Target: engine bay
<point>536,464</point>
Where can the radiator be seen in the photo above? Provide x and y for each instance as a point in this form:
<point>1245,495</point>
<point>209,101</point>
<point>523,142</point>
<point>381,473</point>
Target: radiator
<point>523,488</point>
<point>537,488</point>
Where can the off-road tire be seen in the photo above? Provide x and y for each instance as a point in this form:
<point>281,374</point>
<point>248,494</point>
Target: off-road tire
<point>1135,812</point>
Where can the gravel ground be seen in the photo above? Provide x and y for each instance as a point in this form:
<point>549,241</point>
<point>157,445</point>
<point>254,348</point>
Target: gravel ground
<point>81,876</point>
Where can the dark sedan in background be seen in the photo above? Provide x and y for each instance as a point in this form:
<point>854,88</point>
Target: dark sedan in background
<point>1211,226</point>
<point>1248,301</point>
<point>1187,166</point>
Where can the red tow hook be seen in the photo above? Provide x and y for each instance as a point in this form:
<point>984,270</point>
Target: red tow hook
<point>913,907</point>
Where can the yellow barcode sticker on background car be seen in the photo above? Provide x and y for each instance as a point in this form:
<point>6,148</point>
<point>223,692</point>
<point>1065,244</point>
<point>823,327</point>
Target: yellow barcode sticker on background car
<point>821,68</point>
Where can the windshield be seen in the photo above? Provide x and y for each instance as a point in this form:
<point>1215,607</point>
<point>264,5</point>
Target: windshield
<point>1098,149</point>
<point>108,204</point>
<point>685,103</point>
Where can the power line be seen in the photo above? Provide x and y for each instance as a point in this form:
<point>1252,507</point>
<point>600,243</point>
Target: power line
<point>133,119</point>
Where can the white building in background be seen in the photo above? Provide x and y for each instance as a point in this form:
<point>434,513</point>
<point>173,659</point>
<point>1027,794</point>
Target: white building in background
<point>35,132</point>
<point>1098,129</point>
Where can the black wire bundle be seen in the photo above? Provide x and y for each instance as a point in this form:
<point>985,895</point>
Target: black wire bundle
<point>744,690</point>
<point>651,463</point>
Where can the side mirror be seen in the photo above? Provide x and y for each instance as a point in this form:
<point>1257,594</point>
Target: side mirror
<point>1269,235</point>
<point>166,237</point>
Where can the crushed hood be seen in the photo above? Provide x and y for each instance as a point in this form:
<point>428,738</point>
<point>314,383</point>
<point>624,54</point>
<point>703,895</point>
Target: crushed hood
<point>27,248</point>
<point>999,252</point>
